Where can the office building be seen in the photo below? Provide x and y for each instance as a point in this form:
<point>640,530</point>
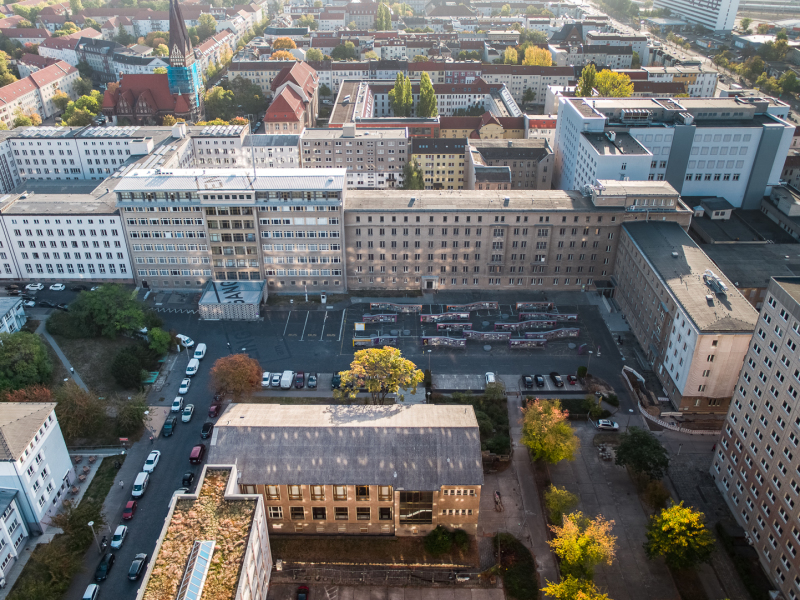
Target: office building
<point>753,465</point>
<point>340,486</point>
<point>718,15</point>
<point>732,148</point>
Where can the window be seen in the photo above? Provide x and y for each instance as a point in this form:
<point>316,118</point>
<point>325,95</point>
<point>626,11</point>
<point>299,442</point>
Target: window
<point>416,507</point>
<point>276,512</point>
<point>385,514</point>
<point>295,493</point>
<point>362,492</point>
<point>340,493</point>
<point>340,513</point>
<point>273,492</point>
<point>297,512</point>
<point>385,493</point>
<point>318,513</point>
<point>317,492</point>
<point>362,514</point>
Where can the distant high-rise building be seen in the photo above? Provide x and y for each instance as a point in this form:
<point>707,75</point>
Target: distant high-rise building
<point>183,72</point>
<point>717,15</point>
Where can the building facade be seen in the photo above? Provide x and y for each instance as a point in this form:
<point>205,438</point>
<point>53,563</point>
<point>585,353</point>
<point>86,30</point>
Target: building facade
<point>13,532</point>
<point>441,161</point>
<point>717,15</point>
<point>530,162</point>
<point>183,70</point>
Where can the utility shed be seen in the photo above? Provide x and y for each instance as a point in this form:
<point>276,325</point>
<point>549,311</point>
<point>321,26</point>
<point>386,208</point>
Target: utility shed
<point>232,300</point>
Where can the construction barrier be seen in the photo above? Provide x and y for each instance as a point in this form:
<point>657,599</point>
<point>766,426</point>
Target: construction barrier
<point>453,326</point>
<point>527,343</point>
<point>474,306</point>
<point>446,342</point>
<point>372,342</point>
<point>401,308</point>
<point>554,334</point>
<point>523,316</point>
<point>536,306</point>
<point>521,326</point>
<point>542,323</point>
<point>379,318</point>
<point>487,336</point>
<point>448,316</point>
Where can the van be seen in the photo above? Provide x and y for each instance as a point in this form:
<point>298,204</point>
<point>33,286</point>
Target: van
<point>91,592</point>
<point>287,379</point>
<point>191,368</point>
<point>140,485</point>
<point>200,351</point>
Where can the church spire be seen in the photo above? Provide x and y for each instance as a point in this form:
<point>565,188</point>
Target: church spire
<point>180,45</point>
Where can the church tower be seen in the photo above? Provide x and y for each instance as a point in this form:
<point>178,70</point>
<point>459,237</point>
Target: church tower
<point>183,73</point>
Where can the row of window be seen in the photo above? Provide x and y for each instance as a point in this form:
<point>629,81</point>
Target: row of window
<point>59,268</point>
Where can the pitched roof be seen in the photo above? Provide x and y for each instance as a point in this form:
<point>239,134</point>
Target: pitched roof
<point>19,422</point>
<point>156,83</point>
<point>24,32</point>
<point>460,122</point>
<point>288,105</point>
<point>51,74</point>
<point>299,73</point>
<point>60,43</point>
<point>415,447</point>
<point>178,34</point>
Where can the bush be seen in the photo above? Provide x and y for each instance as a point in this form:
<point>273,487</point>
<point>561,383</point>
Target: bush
<point>439,541</point>
<point>484,423</point>
<point>499,444</point>
<point>63,324</point>
<point>461,540</point>
<point>131,365</point>
<point>517,568</point>
<point>558,501</point>
<point>612,400</point>
<point>582,372</point>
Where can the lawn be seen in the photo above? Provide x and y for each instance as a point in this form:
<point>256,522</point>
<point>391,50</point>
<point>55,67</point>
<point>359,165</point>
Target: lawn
<point>366,550</point>
<point>492,416</point>
<point>91,358</point>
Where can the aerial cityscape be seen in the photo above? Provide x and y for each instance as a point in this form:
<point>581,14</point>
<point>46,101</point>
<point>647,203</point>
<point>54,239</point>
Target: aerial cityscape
<point>354,300</point>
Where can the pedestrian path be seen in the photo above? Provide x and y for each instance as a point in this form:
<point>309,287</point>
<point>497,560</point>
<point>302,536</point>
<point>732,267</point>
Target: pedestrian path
<point>62,357</point>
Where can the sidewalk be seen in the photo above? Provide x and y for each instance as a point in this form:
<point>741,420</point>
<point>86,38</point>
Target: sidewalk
<point>43,331</point>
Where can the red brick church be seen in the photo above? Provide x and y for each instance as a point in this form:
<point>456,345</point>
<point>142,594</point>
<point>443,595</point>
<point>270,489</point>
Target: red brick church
<point>145,100</point>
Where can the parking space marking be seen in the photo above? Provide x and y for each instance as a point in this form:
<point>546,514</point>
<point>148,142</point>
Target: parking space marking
<point>302,335</point>
<point>341,327</point>
<point>287,323</point>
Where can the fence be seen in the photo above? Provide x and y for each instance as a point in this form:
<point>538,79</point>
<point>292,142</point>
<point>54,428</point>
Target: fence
<point>474,306</point>
<point>533,318</point>
<point>549,316</point>
<point>673,426</point>
<point>453,326</point>
<point>371,576</point>
<point>448,316</point>
<point>527,343</point>
<point>487,336</point>
<point>521,326</point>
<point>536,306</point>
<point>379,318</point>
<point>446,342</point>
<point>401,308</point>
<point>555,334</point>
<point>185,311</point>
<point>372,342</point>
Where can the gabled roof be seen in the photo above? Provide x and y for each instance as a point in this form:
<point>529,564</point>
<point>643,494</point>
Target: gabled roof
<point>19,422</point>
<point>299,73</point>
<point>157,84</point>
<point>287,106</point>
<point>24,32</point>
<point>51,74</point>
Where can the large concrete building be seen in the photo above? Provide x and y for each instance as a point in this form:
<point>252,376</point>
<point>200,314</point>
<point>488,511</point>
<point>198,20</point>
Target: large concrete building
<point>396,470</point>
<point>716,15</point>
<point>754,466</point>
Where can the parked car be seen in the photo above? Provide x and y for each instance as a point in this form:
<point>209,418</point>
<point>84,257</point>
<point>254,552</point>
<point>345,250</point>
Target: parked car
<point>607,424</point>
<point>63,306</point>
<point>187,480</point>
<point>79,288</point>
<point>12,286</point>
<point>140,484</point>
<point>200,351</point>
<point>527,381</point>
<point>197,454</point>
<point>184,387</point>
<point>177,404</point>
<point>130,510</point>
<point>205,432</point>
<point>265,379</point>
<point>312,381</point>
<point>101,573</point>
<point>490,378</point>
<point>572,380</point>
<point>91,593</point>
<point>302,592</point>
<point>119,537</point>
<point>185,340</point>
<point>191,368</point>
<point>188,411</point>
<point>169,426</point>
<point>137,566</point>
<point>336,381</point>
<point>213,410</point>
<point>556,378</point>
<point>34,287</point>
<point>28,303</point>
<point>275,380</point>
<point>14,292</point>
<point>58,287</point>
<point>47,304</point>
<point>152,461</point>
<point>299,380</point>
<point>539,380</point>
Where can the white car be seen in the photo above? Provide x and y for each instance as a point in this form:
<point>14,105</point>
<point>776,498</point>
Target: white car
<point>34,287</point>
<point>29,303</point>
<point>490,378</point>
<point>185,340</point>
<point>265,379</point>
<point>607,424</point>
<point>94,288</point>
<point>276,380</point>
<point>58,287</point>
<point>187,413</point>
<point>177,404</point>
<point>185,386</point>
<point>151,462</point>
<point>119,537</point>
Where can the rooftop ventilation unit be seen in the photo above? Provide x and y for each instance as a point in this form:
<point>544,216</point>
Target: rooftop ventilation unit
<point>714,282</point>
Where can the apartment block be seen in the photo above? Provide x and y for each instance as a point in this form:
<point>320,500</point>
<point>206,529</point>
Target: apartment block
<point>13,532</point>
<point>692,323</point>
<point>616,57</point>
<point>340,486</point>
<point>374,158</point>
<point>185,226</point>
<point>728,147</point>
<point>496,239</point>
<point>34,93</point>
<point>716,16</point>
<point>754,466</point>
<point>529,162</point>
<point>441,162</point>
<point>637,43</point>
<point>699,82</point>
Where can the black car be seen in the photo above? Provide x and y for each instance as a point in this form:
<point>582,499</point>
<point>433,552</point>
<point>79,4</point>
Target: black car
<point>206,430</point>
<point>14,292</point>
<point>312,381</point>
<point>47,303</point>
<point>79,288</point>
<point>63,306</point>
<point>187,480</point>
<point>336,381</point>
<point>539,380</point>
<point>299,379</point>
<point>528,381</point>
<point>13,286</point>
<point>137,566</point>
<point>169,426</point>
<point>104,567</point>
<point>557,381</point>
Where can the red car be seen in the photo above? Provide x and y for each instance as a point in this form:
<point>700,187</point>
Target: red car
<point>572,380</point>
<point>197,454</point>
<point>130,510</point>
<point>213,410</point>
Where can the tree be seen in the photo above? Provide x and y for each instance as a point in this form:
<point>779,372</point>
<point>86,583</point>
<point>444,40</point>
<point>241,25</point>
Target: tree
<point>248,94</point>
<point>160,71</point>
<point>84,85</point>
<point>344,51</point>
<point>582,543</point>
<point>558,501</point>
<point>427,106</point>
<point>60,100</point>
<point>782,35</point>
<point>788,82</point>
<point>412,176</point>
<point>75,6</point>
<point>206,26</point>
<point>397,97</point>
<point>107,311</point>
<point>610,84</point>
<point>237,374</point>
<point>80,413</point>
<point>130,414</point>
<point>769,85</point>
<point>88,22</point>
<point>352,26</point>
<point>84,70</point>
<point>68,29</point>
<point>532,36</point>
<point>32,393</point>
<point>745,24</point>
<point>505,10</point>
<point>161,50</point>
<point>283,43</point>
<point>21,119</point>
<point>308,20</point>
<point>586,82</point>
<point>643,453</point>
<point>382,371</point>
<point>537,56</point>
<point>547,433</point>
<point>752,67</point>
<point>510,56</point>
<point>528,96</point>
<point>220,103</point>
<point>24,24</point>
<point>763,29</point>
<point>636,61</point>
<point>679,534</point>
<point>573,588</point>
<point>6,76</point>
<point>314,54</point>
<point>168,121</point>
<point>81,118</point>
<point>160,340</point>
<point>383,18</point>
<point>371,55</point>
<point>324,90</point>
<point>282,55</point>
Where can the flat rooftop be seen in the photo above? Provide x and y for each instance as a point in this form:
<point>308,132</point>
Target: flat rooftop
<point>791,285</point>
<point>224,180</point>
<point>61,197</point>
<point>623,144</point>
<point>680,263</point>
<point>743,226</point>
<point>489,200</point>
<point>393,133</point>
<point>752,265</point>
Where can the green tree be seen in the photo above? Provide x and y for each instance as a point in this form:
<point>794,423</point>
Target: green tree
<point>782,35</point>
<point>412,176</point>
<point>206,26</point>
<point>130,414</point>
<point>108,311</point>
<point>371,55</point>
<point>427,106</point>
<point>745,24</point>
<point>752,67</point>
<point>248,94</point>
<point>160,340</point>
<point>160,71</point>
<point>768,85</point>
<point>788,81</point>
<point>80,413</point>
<point>85,70</point>
<point>324,90</point>
<point>610,84</point>
<point>237,374</point>
<point>308,20</point>
<point>679,534</point>
<point>643,453</point>
<point>582,544</point>
<point>314,54</point>
<point>60,100</point>
<point>397,100</point>
<point>546,432</point>
<point>763,29</point>
<point>220,104</point>
<point>344,51</point>
<point>382,371</point>
<point>352,26</point>
<point>558,502</point>
<point>510,56</point>
<point>573,588</point>
<point>528,96</point>
<point>636,61</point>
<point>532,36</point>
<point>161,50</point>
<point>23,360</point>
<point>21,119</point>
<point>84,85</point>
<point>586,82</point>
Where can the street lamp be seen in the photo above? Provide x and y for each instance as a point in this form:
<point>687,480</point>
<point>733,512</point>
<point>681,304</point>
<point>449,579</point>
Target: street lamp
<point>91,526</point>
<point>630,414</point>
<point>589,362</point>
<point>429,359</point>
<point>229,348</point>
